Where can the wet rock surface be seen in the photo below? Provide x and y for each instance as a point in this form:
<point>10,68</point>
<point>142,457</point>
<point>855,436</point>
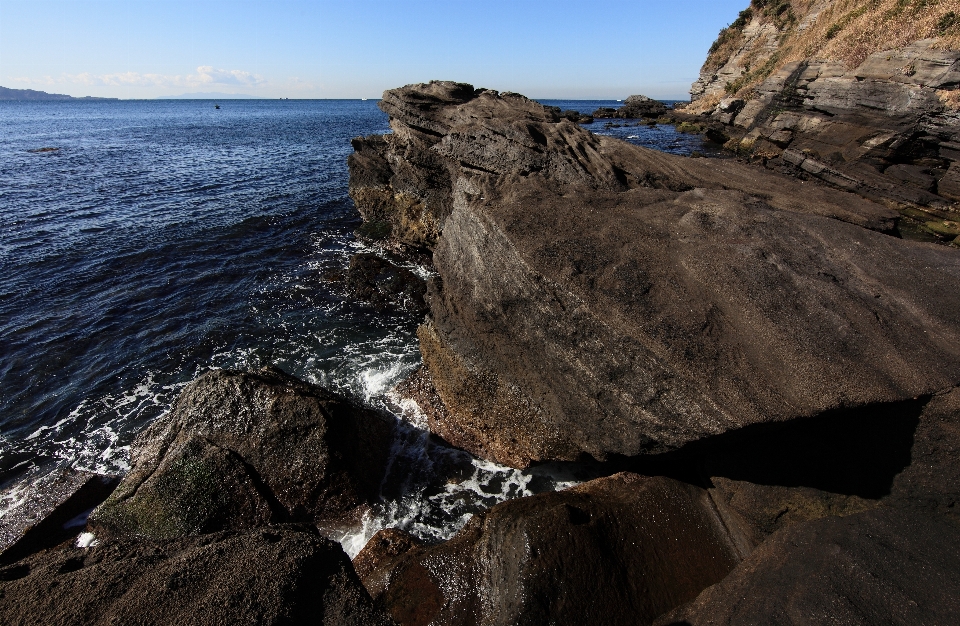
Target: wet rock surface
<point>617,550</point>
<point>374,279</point>
<point>885,566</point>
<point>56,514</point>
<point>375,563</point>
<point>272,575</point>
<point>243,449</point>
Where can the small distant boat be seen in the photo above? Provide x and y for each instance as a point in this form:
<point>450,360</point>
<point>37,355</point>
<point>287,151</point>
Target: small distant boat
<point>216,106</point>
<point>364,99</point>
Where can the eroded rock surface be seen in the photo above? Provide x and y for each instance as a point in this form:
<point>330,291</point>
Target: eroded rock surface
<point>863,98</point>
<point>243,449</point>
<point>272,575</point>
<point>613,300</point>
<point>617,550</point>
<point>885,566</point>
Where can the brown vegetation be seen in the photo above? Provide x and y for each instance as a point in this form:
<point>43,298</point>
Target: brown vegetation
<point>846,31</point>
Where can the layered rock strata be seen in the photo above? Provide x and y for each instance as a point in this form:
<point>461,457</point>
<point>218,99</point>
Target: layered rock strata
<point>862,97</point>
<point>879,129</point>
<point>596,298</point>
<point>244,449</point>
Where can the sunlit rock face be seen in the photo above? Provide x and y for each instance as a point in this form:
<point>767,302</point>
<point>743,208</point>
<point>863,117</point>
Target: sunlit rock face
<point>596,299</point>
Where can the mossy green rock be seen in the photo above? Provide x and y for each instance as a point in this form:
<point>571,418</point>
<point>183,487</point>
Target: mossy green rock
<point>241,450</point>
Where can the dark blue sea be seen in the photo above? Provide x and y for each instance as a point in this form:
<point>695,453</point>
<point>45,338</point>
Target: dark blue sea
<point>163,238</point>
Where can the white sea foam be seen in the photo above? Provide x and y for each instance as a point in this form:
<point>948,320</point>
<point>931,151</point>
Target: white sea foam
<point>432,490</point>
<point>429,490</point>
<point>95,436</point>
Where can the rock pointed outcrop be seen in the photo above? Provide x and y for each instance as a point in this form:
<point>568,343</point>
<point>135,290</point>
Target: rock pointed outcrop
<point>596,298</point>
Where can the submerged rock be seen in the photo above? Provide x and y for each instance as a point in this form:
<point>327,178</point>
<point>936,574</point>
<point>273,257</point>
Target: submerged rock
<point>617,550</point>
<point>879,567</point>
<point>373,279</point>
<point>244,449</point>
<point>273,575</point>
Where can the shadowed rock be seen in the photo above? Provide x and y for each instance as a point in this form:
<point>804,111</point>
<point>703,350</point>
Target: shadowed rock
<point>376,280</point>
<point>768,477</point>
<point>54,511</point>
<point>617,550</point>
<point>879,567</point>
<point>240,450</point>
<point>276,575</point>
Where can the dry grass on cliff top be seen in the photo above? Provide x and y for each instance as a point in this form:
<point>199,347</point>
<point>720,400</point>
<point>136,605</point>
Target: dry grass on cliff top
<point>851,30</point>
<point>846,31</point>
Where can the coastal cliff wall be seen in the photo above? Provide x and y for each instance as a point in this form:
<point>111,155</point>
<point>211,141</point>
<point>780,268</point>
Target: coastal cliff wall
<point>769,34</point>
<point>862,96</point>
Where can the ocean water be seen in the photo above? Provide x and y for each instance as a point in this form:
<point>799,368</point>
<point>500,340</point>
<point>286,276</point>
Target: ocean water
<point>163,238</point>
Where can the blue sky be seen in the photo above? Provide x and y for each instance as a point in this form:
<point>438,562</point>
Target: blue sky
<point>357,48</point>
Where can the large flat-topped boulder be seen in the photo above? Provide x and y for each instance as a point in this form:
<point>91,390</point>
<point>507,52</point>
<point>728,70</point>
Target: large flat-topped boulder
<point>623,323</point>
<point>683,299</point>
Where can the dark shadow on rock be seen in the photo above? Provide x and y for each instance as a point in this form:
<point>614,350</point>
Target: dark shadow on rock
<point>65,521</point>
<point>852,452</point>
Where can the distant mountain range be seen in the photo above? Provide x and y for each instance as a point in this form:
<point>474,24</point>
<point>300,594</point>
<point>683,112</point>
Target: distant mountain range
<point>209,96</point>
<point>29,94</point>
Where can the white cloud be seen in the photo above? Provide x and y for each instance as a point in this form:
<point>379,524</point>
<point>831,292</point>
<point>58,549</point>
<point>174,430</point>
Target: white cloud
<point>205,75</point>
<point>46,80</point>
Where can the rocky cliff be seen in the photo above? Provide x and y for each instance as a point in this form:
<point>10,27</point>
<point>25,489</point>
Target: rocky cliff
<point>598,299</point>
<point>770,349</point>
<point>862,96</point>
